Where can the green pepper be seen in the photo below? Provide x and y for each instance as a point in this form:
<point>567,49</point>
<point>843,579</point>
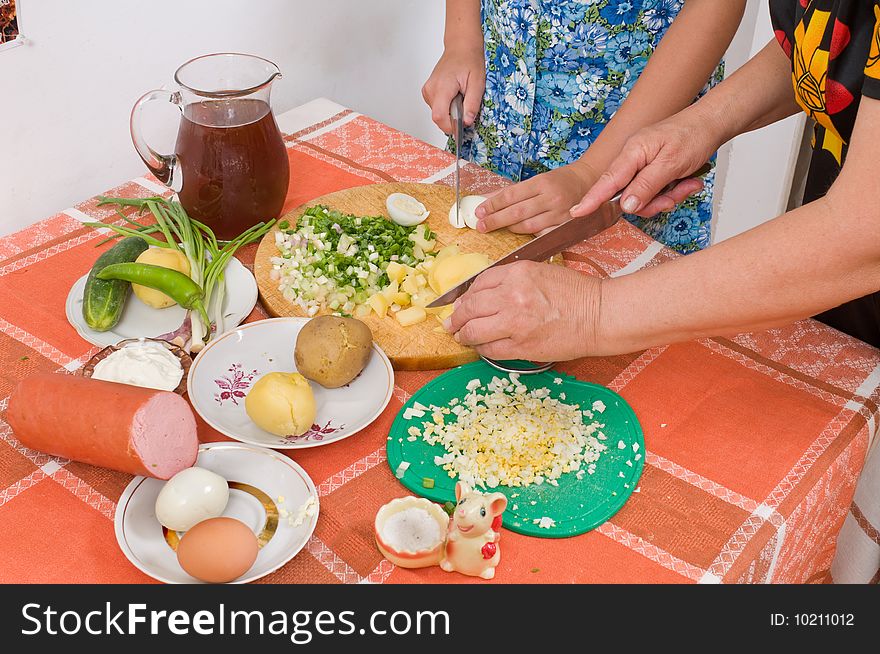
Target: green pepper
<point>174,284</point>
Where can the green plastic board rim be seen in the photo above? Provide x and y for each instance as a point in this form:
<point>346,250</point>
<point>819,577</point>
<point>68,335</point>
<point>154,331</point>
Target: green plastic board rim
<point>576,505</point>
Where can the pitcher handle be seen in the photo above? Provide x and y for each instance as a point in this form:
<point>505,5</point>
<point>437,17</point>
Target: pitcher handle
<point>165,167</point>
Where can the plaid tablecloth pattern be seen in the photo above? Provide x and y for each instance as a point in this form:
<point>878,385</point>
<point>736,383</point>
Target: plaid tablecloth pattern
<point>754,443</point>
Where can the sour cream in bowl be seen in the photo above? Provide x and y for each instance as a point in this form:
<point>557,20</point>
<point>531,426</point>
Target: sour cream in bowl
<point>148,363</point>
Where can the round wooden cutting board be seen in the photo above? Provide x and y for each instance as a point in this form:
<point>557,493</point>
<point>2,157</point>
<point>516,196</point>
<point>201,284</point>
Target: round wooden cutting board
<point>418,347</point>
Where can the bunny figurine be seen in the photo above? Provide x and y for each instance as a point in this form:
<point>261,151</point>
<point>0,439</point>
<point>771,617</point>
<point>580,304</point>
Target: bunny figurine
<point>474,531</point>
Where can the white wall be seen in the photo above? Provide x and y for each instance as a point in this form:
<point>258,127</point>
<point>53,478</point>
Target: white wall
<point>68,91</point>
<point>754,170</point>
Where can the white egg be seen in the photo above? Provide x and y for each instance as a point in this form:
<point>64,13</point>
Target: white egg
<point>405,209</point>
<point>190,496</point>
<point>466,209</point>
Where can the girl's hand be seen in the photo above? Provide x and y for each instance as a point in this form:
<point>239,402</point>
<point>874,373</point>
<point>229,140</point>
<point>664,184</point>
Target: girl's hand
<point>528,310</point>
<point>459,70</point>
<point>538,203</point>
<point>651,159</point>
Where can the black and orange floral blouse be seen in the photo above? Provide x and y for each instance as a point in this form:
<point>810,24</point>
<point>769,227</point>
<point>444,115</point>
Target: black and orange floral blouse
<point>834,46</point>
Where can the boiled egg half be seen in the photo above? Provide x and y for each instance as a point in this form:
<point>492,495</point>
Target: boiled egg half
<point>466,208</point>
<point>405,209</point>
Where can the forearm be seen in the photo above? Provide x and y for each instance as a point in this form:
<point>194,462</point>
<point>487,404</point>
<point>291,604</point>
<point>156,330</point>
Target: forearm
<point>758,94</point>
<point>682,63</point>
<point>463,25</point>
<point>800,264</point>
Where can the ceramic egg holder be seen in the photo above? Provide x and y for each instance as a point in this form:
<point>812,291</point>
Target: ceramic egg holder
<point>470,544</point>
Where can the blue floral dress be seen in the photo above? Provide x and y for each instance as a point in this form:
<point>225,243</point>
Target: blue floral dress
<point>556,72</point>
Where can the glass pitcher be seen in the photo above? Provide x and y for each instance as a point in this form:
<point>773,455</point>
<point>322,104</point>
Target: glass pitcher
<point>230,166</point>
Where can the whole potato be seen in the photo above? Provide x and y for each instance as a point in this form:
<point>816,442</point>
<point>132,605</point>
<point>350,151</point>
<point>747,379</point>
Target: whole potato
<point>332,351</point>
<point>282,403</point>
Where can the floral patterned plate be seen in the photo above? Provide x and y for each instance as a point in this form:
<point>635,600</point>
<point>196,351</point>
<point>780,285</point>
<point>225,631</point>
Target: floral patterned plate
<point>223,373</point>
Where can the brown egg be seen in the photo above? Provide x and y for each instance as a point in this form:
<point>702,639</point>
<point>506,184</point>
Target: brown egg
<point>218,550</point>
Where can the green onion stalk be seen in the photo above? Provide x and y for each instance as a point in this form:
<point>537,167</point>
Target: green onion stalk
<point>207,256</point>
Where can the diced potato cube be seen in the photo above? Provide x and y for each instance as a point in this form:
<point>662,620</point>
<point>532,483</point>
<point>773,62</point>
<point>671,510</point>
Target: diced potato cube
<point>411,285</point>
<point>396,272</point>
<point>448,251</point>
<point>448,310</point>
<point>390,291</point>
<point>379,304</point>
<point>362,311</point>
<point>411,316</point>
<point>424,297</point>
<point>403,299</point>
<point>418,237</point>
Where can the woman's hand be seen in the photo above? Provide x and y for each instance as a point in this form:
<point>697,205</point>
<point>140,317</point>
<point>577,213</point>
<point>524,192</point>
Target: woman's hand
<point>537,203</point>
<point>459,70</point>
<point>528,310</point>
<point>652,158</point>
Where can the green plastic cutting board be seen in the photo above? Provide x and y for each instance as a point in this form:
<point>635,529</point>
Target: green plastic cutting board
<point>577,505</point>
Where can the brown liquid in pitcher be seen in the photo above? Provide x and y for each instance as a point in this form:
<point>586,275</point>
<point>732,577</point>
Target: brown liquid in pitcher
<point>234,164</point>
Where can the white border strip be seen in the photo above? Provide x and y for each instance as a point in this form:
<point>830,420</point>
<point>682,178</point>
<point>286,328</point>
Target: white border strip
<point>443,172</point>
<point>308,114</point>
<point>150,185</point>
<point>336,124</point>
<point>640,261</point>
<point>80,216</point>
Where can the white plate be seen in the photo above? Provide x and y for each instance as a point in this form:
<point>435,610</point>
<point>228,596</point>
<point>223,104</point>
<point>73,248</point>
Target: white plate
<point>138,320</point>
<point>228,367</point>
<point>140,535</point>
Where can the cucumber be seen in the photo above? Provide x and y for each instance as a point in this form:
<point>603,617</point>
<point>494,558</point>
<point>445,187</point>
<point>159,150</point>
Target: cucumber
<point>104,300</point>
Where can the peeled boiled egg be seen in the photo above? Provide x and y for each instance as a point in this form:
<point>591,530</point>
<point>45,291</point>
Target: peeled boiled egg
<point>405,209</point>
<point>466,208</point>
<point>190,496</point>
<point>218,550</point>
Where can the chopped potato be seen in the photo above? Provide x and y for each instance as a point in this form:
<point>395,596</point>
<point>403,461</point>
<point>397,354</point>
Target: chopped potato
<point>448,251</point>
<point>390,291</point>
<point>423,298</point>
<point>403,299</point>
<point>409,284</point>
<point>454,269</point>
<point>411,316</point>
<point>418,237</point>
<point>397,272</point>
<point>379,303</point>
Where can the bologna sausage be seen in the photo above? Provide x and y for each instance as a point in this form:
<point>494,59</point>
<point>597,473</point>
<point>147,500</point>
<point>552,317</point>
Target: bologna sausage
<point>127,428</point>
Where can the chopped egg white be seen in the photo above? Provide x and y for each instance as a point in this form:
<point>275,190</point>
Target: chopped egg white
<point>506,435</point>
<point>306,510</point>
<point>401,469</point>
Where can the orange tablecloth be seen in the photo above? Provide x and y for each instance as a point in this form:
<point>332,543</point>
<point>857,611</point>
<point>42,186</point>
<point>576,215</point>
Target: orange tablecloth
<point>754,443</point>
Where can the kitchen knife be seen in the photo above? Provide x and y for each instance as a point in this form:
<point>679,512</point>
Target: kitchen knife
<point>456,113</point>
<point>559,238</point>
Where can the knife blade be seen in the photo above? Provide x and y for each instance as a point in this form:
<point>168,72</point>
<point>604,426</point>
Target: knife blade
<point>559,238</point>
<point>456,113</point>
